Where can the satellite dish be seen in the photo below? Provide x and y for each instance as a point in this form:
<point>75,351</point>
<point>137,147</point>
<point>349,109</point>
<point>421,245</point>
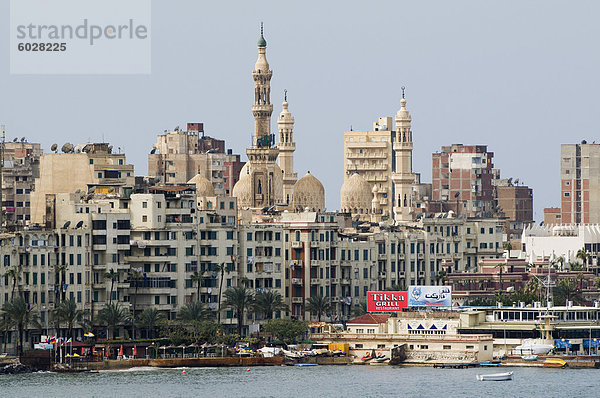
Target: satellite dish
<point>68,147</point>
<point>86,148</point>
<point>153,151</point>
<point>110,149</point>
<point>22,139</point>
<point>67,224</point>
<point>79,224</point>
<point>53,147</point>
<point>517,181</point>
<point>15,140</point>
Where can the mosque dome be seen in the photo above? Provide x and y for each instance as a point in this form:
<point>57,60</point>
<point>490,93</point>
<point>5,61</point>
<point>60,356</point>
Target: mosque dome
<point>242,190</point>
<point>403,113</point>
<point>309,192</point>
<point>356,195</point>
<point>203,186</point>
<point>261,41</point>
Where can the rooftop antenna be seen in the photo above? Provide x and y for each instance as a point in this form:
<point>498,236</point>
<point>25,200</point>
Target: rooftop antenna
<point>403,88</point>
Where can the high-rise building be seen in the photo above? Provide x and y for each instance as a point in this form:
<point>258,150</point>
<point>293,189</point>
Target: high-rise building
<point>580,183</point>
<point>464,174</point>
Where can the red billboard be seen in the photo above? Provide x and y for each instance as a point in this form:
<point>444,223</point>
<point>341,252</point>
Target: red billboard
<point>386,301</point>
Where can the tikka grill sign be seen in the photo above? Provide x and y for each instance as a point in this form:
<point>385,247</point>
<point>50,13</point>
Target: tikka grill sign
<point>386,301</point>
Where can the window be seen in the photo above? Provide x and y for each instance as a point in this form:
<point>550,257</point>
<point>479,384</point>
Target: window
<point>447,347</point>
<point>567,194</point>
<point>144,205</point>
<point>144,218</point>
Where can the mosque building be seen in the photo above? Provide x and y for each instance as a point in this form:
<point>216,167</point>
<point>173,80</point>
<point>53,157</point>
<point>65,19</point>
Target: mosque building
<point>268,178</point>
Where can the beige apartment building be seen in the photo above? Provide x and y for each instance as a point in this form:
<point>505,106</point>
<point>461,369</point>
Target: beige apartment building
<point>180,155</point>
<point>20,168</point>
<point>580,183</point>
<point>90,168</point>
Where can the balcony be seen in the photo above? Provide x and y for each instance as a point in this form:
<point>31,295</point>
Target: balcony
<point>345,281</point>
<point>381,275</point>
<point>314,263</point>
<point>315,281</point>
<point>297,300</point>
<point>296,245</point>
<point>296,263</point>
<point>381,257</point>
<point>314,243</point>
<point>296,281</point>
<point>335,281</point>
<point>335,262</point>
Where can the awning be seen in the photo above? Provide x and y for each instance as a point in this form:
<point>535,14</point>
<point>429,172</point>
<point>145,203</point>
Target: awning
<point>562,343</point>
<point>593,343</point>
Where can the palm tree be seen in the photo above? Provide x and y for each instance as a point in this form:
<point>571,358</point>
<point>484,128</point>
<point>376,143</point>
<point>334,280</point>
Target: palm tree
<point>68,313</point>
<point>198,277</point>
<point>17,313</point>
<point>567,290</point>
<point>60,280</point>
<point>319,305</point>
<point>149,318</point>
<point>220,269</point>
<point>112,316</point>
<point>194,312</point>
<point>584,256</point>
<point>238,299</point>
<point>268,302</point>
<point>134,275</point>
<point>15,274</point>
<point>112,275</point>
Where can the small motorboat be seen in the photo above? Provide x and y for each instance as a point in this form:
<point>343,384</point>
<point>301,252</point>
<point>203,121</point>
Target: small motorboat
<point>366,358</point>
<point>555,363</point>
<point>305,365</point>
<point>380,358</point>
<point>496,377</point>
<point>529,357</point>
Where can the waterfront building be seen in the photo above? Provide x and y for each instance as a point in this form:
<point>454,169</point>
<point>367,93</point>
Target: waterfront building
<point>580,183</point>
<point>430,337</point>
<point>180,155</point>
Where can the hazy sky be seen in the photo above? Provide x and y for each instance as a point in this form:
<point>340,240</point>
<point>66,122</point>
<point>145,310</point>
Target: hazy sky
<point>521,77</point>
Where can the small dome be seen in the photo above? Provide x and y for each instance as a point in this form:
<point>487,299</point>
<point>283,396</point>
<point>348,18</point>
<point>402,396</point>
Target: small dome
<point>309,193</point>
<point>203,186</point>
<point>242,190</point>
<point>356,195</point>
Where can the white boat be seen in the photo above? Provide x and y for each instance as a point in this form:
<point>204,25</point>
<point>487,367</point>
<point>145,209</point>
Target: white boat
<point>533,348</point>
<point>292,354</point>
<point>529,357</point>
<point>381,358</point>
<point>496,377</point>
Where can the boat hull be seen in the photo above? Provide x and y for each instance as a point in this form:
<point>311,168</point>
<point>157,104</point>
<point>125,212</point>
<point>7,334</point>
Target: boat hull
<point>496,377</point>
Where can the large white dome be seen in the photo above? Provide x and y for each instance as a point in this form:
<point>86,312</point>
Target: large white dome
<point>309,192</point>
<point>356,195</point>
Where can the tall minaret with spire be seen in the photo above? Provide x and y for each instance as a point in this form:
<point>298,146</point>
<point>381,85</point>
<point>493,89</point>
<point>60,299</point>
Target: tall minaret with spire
<point>287,146</point>
<point>403,177</point>
<point>266,177</point>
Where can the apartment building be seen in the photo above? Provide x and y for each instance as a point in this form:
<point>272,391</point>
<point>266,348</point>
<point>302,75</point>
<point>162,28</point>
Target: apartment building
<point>580,183</point>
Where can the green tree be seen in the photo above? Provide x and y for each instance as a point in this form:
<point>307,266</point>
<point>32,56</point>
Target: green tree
<point>197,278</point>
<point>14,273</point>
<point>111,275</point>
<point>112,316</point>
<point>286,330</point>
<point>192,312</point>
<point>220,269</point>
<point>150,318</point>
<point>67,312</point>
<point>60,280</point>
<point>567,290</point>
<point>239,299</point>
<point>267,302</point>
<point>318,305</point>
<point>17,313</point>
<point>583,256</point>
<point>135,275</point>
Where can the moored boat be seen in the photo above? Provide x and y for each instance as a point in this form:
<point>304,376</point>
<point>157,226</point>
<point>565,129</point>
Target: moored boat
<point>555,363</point>
<point>529,357</point>
<point>496,377</point>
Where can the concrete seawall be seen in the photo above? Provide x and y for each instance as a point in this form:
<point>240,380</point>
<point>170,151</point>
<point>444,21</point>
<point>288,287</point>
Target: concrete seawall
<point>185,362</point>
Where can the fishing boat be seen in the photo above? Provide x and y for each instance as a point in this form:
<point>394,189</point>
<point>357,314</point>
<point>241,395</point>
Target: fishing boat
<point>529,357</point>
<point>496,377</point>
<point>555,363</point>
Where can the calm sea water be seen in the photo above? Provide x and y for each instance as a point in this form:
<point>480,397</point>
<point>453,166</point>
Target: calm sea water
<point>319,381</point>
